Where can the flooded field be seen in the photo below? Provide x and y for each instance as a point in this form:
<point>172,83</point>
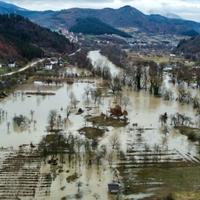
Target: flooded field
<point>149,158</point>
<point>21,104</point>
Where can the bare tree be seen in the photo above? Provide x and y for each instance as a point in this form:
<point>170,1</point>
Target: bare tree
<point>125,101</point>
<point>155,73</point>
<point>73,100</point>
<point>114,141</point>
<point>87,91</point>
<point>96,94</point>
<point>68,111</point>
<point>115,85</point>
<point>106,74</point>
<point>52,119</point>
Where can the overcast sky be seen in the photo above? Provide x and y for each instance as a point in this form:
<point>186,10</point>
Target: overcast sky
<point>189,9</point>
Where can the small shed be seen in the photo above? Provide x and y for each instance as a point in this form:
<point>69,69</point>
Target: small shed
<point>12,64</point>
<point>113,187</point>
<point>48,66</point>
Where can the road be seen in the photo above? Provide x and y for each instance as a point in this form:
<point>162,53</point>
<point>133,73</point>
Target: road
<point>32,64</point>
<point>29,65</point>
<point>74,53</point>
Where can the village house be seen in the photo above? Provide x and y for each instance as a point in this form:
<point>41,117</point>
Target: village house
<point>48,66</point>
<point>12,64</point>
<point>50,63</point>
<point>54,61</point>
<point>117,112</point>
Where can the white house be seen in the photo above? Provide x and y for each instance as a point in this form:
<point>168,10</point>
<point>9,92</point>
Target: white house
<point>48,66</point>
<point>54,62</point>
<point>12,64</point>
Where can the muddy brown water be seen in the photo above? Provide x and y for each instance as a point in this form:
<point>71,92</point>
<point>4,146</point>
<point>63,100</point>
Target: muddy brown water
<point>143,109</point>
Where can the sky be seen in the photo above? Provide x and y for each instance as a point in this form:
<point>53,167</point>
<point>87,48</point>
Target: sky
<point>187,9</point>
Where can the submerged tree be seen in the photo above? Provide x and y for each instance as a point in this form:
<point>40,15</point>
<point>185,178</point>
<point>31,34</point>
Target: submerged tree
<point>137,74</point>
<point>96,95</point>
<point>125,101</point>
<point>114,141</point>
<point>167,94</point>
<point>180,120</point>
<point>20,120</point>
<point>115,85</point>
<point>184,96</point>
<point>106,74</point>
<point>68,111</point>
<point>155,76</point>
<point>73,99</point>
<point>52,119</point>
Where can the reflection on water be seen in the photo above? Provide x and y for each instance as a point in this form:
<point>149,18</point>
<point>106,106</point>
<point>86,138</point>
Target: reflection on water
<point>21,104</point>
<point>91,181</point>
<point>143,109</point>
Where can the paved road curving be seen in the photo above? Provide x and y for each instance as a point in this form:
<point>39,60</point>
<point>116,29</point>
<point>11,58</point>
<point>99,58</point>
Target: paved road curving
<point>29,65</point>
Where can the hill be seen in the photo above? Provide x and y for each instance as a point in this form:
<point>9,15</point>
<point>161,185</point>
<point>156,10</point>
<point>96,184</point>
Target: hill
<point>189,47</point>
<point>6,8</point>
<point>94,26</point>
<point>21,38</point>
<point>190,33</point>
<point>124,17</point>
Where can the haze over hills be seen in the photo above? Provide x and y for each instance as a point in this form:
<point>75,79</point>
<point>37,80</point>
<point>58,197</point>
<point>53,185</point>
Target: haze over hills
<point>124,17</point>
<point>167,14</point>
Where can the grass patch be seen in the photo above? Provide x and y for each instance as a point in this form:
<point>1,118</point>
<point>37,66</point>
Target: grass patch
<point>107,121</point>
<point>91,132</point>
<point>54,144</point>
<point>193,134</point>
<point>187,195</point>
<point>175,181</point>
<point>4,70</point>
<point>72,178</point>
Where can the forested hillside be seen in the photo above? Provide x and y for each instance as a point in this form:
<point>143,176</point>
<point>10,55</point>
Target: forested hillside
<point>95,26</point>
<point>20,38</point>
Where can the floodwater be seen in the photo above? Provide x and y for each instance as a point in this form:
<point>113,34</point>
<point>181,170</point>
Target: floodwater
<point>143,110</point>
<point>21,104</point>
<point>98,60</point>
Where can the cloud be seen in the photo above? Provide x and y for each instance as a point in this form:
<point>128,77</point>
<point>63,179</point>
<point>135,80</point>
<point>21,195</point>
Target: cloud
<point>60,4</point>
<point>188,9</point>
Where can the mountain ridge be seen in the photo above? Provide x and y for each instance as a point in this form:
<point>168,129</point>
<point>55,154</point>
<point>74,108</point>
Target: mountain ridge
<point>124,17</point>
